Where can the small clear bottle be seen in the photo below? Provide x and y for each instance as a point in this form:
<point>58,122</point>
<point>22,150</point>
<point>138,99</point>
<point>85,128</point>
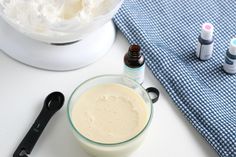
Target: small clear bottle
<point>134,61</point>
<point>230,58</point>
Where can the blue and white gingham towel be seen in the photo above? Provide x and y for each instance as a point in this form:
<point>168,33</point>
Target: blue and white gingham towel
<point>168,30</point>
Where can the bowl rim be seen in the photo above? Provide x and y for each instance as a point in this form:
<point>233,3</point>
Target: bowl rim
<point>109,144</point>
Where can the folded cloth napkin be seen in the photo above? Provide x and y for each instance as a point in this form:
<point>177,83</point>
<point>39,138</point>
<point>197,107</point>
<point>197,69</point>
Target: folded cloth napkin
<point>168,30</point>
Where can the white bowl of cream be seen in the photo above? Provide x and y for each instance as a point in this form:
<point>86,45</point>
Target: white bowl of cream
<point>58,21</point>
<point>110,115</point>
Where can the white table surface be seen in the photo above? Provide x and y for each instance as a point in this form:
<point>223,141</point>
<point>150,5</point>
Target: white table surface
<point>23,89</point>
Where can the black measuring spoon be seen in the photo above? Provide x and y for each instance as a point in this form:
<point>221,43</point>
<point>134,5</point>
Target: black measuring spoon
<point>52,104</point>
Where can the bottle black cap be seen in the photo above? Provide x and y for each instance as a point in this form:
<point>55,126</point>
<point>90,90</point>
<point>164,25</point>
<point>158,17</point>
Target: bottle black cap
<point>134,50</point>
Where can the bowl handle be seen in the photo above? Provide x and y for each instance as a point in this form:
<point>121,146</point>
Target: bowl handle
<point>155,92</point>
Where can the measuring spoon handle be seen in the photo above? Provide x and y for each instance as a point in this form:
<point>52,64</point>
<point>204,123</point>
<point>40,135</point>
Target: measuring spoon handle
<point>49,109</point>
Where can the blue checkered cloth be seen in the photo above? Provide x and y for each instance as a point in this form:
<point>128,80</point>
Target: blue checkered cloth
<point>168,30</point>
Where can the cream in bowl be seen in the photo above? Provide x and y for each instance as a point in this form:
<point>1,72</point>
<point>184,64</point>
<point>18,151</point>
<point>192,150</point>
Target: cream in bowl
<point>58,21</point>
<point>109,115</point>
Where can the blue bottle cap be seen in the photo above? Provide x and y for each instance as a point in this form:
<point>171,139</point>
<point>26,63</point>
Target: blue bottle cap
<point>232,47</point>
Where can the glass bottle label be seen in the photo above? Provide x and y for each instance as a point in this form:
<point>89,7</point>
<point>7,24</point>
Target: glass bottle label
<point>204,52</point>
<point>230,65</point>
<point>136,74</point>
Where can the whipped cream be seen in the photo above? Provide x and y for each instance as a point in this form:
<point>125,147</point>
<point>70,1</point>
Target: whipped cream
<point>42,15</point>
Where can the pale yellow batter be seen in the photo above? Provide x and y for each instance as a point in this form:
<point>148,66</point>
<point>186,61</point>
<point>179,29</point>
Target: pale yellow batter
<point>110,113</point>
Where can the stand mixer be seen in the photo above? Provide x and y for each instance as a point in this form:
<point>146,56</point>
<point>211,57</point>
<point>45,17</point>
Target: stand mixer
<point>63,51</point>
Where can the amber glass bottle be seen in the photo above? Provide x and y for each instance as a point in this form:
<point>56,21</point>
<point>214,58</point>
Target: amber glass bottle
<point>134,63</point>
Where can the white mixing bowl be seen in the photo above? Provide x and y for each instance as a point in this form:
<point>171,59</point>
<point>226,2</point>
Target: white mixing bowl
<point>64,32</point>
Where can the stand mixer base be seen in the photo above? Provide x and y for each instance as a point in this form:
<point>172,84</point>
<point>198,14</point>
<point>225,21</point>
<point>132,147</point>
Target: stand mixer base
<point>55,57</point>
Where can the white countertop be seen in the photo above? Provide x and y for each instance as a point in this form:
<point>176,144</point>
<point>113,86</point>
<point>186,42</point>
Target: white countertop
<point>23,89</point>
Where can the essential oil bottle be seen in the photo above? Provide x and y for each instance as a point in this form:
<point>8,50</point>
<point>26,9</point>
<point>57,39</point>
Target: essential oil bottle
<point>205,42</point>
<point>230,58</point>
<point>134,66</point>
